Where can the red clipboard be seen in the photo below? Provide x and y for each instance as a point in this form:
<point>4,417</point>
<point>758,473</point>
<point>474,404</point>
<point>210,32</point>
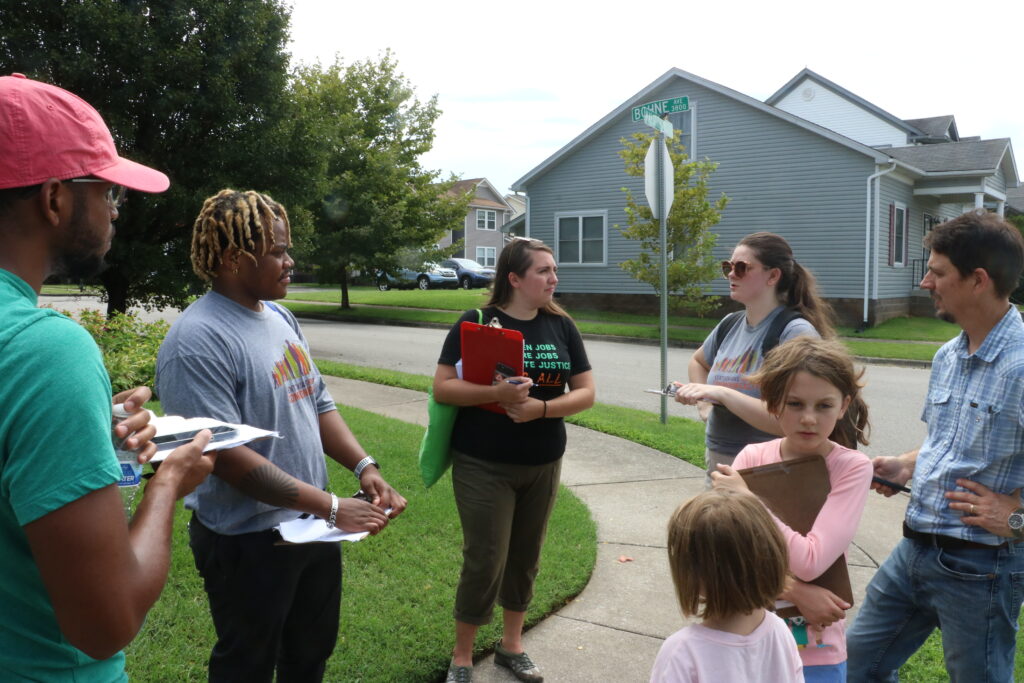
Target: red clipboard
<point>483,349</point>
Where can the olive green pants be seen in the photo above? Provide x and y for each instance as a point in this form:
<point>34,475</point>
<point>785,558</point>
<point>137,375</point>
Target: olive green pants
<point>504,511</point>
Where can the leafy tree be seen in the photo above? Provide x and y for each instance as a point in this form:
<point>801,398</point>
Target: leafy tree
<point>377,198</point>
<point>198,89</point>
<point>689,236</point>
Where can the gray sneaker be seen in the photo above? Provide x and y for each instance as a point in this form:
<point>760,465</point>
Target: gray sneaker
<point>459,674</point>
<point>521,665</point>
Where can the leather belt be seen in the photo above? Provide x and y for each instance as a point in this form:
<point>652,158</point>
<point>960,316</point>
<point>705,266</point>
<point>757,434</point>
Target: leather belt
<point>947,542</point>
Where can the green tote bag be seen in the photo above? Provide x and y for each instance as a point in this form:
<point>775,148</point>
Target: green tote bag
<point>435,449</point>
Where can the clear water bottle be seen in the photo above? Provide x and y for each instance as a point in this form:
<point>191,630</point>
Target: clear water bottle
<point>131,470</point>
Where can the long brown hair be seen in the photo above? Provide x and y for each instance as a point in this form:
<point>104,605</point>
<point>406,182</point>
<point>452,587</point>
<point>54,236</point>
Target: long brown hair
<point>517,257</point>
<point>797,287</point>
<point>726,555</point>
<point>828,360</point>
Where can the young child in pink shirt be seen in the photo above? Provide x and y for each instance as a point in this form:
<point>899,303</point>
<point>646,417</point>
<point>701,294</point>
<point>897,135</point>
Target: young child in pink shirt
<point>728,563</point>
<point>811,386</point>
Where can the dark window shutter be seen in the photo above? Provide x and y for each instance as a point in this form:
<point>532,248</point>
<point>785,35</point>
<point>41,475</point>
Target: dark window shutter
<point>892,232</point>
<point>906,234</point>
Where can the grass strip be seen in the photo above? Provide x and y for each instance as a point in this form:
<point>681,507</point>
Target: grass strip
<point>681,437</point>
<point>863,348</point>
<point>398,588</point>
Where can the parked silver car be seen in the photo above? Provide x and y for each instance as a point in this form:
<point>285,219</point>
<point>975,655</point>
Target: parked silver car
<point>431,276</point>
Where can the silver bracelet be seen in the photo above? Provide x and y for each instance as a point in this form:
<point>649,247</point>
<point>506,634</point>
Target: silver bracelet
<point>363,464</point>
<point>334,512</point>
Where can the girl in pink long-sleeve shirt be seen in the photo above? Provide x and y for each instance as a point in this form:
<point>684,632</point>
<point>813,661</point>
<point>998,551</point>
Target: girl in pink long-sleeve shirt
<point>811,386</point>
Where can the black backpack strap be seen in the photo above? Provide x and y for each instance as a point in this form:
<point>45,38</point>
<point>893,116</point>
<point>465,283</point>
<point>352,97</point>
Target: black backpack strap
<point>724,327</point>
<point>785,317</point>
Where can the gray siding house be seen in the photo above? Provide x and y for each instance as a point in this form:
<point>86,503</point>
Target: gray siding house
<point>482,227</point>
<point>851,187</point>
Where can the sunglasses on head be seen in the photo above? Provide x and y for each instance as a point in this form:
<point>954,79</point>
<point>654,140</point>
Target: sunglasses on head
<point>740,268</point>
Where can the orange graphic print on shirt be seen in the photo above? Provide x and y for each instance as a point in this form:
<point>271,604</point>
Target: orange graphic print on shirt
<point>294,369</point>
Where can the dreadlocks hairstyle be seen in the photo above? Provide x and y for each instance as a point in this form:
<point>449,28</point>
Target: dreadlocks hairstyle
<point>244,220</point>
<point>828,360</point>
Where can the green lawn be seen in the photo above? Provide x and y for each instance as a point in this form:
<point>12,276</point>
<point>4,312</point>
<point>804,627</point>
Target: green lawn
<point>70,290</point>
<point>399,586</point>
<point>907,329</point>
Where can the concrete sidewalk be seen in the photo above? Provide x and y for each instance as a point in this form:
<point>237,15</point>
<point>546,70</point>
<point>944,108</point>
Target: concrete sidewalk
<point>613,629</point>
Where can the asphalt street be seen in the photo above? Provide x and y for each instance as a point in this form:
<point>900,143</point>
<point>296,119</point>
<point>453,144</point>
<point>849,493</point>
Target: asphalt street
<point>622,371</point>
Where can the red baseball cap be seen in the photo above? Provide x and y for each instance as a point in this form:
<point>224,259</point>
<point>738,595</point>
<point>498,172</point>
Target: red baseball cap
<point>47,132</point>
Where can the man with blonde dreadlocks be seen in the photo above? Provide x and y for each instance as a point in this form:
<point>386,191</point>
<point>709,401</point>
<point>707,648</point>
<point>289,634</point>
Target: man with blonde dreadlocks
<point>236,356</point>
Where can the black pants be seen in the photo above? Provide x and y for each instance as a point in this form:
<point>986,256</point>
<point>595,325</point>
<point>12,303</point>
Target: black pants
<point>273,606</point>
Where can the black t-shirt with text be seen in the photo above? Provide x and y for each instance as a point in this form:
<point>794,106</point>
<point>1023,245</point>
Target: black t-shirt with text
<point>552,353</point>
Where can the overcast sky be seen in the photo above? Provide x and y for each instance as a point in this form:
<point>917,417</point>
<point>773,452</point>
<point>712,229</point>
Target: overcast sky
<point>517,81</point>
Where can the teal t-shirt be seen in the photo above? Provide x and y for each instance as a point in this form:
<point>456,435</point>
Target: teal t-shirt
<point>54,448</point>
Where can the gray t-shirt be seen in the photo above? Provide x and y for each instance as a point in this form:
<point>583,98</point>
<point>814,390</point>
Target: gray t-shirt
<point>739,357</point>
<point>224,361</point>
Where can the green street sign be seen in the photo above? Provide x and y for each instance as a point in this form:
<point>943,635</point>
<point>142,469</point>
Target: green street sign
<point>661,107</point>
<point>659,124</point>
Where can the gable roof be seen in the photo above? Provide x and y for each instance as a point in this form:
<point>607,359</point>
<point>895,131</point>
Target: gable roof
<point>982,156</point>
<point>842,92</point>
<point>937,127</point>
<point>474,185</point>
<point>644,94</point>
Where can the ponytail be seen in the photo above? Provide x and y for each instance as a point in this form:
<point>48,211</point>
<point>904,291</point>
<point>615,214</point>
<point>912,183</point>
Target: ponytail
<point>803,296</point>
<point>797,287</point>
<point>852,428</point>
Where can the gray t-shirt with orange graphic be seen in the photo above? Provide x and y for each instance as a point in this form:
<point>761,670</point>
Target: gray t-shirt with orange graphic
<point>225,361</point>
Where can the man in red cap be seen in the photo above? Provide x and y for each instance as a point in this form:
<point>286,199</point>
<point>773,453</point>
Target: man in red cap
<point>77,580</point>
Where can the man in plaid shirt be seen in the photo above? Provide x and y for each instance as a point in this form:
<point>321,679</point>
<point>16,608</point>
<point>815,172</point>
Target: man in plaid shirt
<point>960,566</point>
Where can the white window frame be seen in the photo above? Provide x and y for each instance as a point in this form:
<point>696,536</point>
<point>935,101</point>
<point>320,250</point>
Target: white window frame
<point>691,150</point>
<point>489,258</point>
<point>487,217</point>
<point>899,256</point>
<point>559,215</point>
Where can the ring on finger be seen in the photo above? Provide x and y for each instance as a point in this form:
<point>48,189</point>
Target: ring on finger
<point>973,510</point>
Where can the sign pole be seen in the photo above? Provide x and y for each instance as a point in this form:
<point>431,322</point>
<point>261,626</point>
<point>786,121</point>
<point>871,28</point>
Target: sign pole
<point>663,204</point>
<point>659,187</point>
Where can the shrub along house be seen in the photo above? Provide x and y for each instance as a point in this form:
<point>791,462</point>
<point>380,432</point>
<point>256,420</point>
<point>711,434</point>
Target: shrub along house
<point>853,188</point>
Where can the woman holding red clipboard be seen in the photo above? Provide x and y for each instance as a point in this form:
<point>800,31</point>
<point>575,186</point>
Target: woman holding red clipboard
<point>506,465</point>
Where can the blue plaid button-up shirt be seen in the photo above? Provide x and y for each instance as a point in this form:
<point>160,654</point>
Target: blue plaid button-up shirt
<point>975,428</point>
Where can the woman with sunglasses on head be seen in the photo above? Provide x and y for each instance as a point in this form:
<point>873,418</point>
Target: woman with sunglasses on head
<point>774,289</point>
<point>506,466</point>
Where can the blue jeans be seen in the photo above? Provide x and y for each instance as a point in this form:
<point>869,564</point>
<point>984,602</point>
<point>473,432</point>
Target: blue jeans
<point>972,595</point>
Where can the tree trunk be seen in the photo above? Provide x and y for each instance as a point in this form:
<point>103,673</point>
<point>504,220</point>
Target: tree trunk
<point>343,273</point>
<point>116,286</point>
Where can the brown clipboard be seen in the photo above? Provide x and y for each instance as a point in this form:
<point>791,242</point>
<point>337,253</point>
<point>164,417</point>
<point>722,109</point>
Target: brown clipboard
<point>483,349</point>
<point>795,491</point>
